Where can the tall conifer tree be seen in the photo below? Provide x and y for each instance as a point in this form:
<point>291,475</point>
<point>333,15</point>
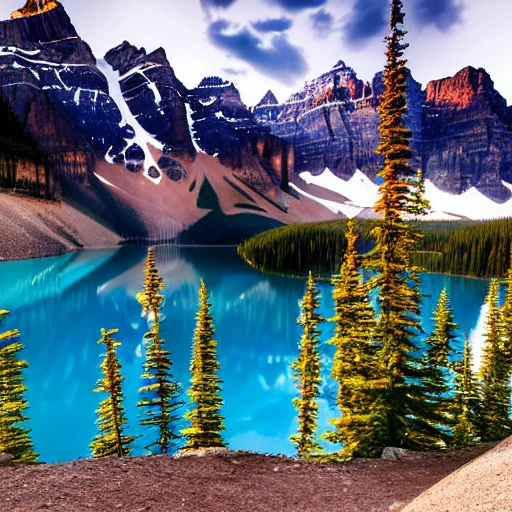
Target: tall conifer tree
<point>161,392</point>
<point>307,373</point>
<point>14,439</point>
<point>206,422</point>
<point>494,420</point>
<point>506,322</point>
<point>437,378</point>
<point>111,414</point>
<point>355,363</point>
<point>397,284</point>
<point>465,402</point>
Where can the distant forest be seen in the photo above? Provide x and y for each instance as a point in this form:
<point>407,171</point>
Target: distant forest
<point>468,248</point>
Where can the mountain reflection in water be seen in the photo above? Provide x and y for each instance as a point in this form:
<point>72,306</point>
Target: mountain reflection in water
<point>60,304</point>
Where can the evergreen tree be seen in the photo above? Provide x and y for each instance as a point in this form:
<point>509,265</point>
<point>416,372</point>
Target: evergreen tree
<point>494,375</point>
<point>355,363</point>
<point>306,370</point>
<point>111,414</point>
<point>14,439</point>
<point>161,392</point>
<point>418,205</point>
<point>206,422</point>
<point>437,376</point>
<point>396,281</point>
<point>506,323</point>
<point>465,402</point>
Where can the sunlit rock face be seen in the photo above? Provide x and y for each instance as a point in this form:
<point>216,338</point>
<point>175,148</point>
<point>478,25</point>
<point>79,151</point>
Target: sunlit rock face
<point>468,138</point>
<point>35,7</point>
<point>461,126</point>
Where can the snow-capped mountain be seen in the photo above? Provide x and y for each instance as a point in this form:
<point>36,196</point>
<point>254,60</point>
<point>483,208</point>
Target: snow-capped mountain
<point>124,141</point>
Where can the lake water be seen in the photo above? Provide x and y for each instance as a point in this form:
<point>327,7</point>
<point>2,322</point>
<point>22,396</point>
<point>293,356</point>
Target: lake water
<point>60,304</point>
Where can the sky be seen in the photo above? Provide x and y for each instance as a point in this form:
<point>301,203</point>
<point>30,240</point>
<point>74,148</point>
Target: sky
<point>280,44</point>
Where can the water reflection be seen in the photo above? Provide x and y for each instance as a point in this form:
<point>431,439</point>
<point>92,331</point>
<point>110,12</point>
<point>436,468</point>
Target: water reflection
<point>61,303</point>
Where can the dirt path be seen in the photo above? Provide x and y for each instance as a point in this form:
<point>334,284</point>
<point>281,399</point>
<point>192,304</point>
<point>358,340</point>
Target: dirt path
<point>227,483</point>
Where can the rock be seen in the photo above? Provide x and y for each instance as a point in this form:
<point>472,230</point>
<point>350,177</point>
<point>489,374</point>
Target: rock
<point>396,454</point>
<point>154,95</point>
<point>226,128</point>
<point>204,452</point>
<point>5,459</point>
<point>174,170</point>
<point>462,128</point>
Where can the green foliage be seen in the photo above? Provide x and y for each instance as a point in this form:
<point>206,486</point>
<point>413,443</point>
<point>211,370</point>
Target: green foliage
<point>111,414</point>
<point>161,392</point>
<point>14,439</point>
<point>406,423</point>
<point>466,402</point>
<point>206,422</point>
<point>494,421</point>
<point>297,248</point>
<point>478,249</point>
<point>307,376</point>
<point>355,362</point>
<point>418,205</point>
<point>437,376</point>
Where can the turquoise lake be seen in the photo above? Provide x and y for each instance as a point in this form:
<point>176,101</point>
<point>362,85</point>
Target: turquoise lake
<point>60,304</point>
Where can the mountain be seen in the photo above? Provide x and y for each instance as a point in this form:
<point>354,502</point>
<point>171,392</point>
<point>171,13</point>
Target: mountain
<point>124,141</point>
<point>462,128</point>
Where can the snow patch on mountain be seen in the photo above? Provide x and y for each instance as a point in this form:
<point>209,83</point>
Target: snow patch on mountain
<point>142,137</point>
<point>362,193</point>
<point>191,129</point>
<point>359,188</point>
<point>348,210</point>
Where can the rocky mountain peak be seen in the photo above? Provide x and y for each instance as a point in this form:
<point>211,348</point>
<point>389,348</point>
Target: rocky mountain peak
<point>463,90</point>
<point>33,7</point>
<point>268,100</point>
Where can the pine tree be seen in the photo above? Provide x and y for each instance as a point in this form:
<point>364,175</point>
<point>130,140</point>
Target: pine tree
<point>437,376</point>
<point>418,205</point>
<point>111,414</point>
<point>306,370</point>
<point>465,402</point>
<point>14,439</point>
<point>161,391</point>
<point>494,375</point>
<point>396,280</point>
<point>506,323</point>
<point>355,364</point>
<point>206,422</point>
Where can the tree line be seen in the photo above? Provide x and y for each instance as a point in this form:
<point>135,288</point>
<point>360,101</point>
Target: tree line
<point>468,248</point>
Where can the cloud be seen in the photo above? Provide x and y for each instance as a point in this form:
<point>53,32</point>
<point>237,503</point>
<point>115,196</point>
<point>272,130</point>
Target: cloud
<point>282,60</point>
<point>298,5</point>
<point>223,4</point>
<point>321,22</point>
<point>234,72</point>
<point>443,14</point>
<point>273,24</point>
<point>368,18</point>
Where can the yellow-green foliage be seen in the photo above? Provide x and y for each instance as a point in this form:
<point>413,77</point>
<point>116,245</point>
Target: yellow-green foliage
<point>494,375</point>
<point>355,363</point>
<point>14,439</point>
<point>395,279</point>
<point>466,402</point>
<point>161,392</point>
<point>206,422</point>
<point>306,372</point>
<point>437,373</point>
<point>111,415</point>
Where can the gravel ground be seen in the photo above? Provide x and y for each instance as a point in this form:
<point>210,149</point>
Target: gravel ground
<point>228,482</point>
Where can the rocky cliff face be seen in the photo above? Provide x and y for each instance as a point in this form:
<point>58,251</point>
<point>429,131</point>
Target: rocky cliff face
<point>223,126</point>
<point>462,130</point>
